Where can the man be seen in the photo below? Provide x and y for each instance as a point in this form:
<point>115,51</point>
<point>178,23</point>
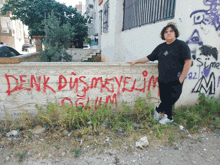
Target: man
<point>174,61</point>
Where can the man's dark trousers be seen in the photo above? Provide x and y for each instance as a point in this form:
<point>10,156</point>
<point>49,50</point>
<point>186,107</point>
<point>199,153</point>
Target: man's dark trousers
<point>169,93</point>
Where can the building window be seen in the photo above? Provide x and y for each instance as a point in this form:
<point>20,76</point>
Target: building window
<point>141,12</point>
<point>105,17</point>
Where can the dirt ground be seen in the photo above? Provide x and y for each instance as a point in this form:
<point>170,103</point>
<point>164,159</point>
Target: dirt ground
<point>202,148</point>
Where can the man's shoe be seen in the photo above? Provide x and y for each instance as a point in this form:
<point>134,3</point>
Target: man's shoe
<point>157,116</point>
<point>165,120</point>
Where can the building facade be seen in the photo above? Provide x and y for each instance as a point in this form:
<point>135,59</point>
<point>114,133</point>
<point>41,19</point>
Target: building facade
<point>130,30</point>
<point>81,9</point>
<point>93,22</point>
<point>12,32</point>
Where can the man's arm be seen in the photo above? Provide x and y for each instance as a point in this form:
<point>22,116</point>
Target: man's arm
<point>186,68</point>
<point>142,60</point>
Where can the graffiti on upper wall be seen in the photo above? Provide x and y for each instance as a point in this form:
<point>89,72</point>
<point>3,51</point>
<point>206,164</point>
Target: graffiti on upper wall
<point>209,51</point>
<point>195,38</point>
<point>218,81</point>
<point>205,86</point>
<point>210,16</point>
<point>80,86</point>
<point>204,50</point>
<point>204,57</point>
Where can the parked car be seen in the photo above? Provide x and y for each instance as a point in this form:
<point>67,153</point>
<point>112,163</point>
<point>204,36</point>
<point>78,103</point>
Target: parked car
<point>86,46</point>
<point>25,47</point>
<point>7,51</point>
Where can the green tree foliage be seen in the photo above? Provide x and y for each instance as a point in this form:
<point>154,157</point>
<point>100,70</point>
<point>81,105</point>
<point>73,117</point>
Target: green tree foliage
<point>32,13</point>
<point>56,40</point>
<point>87,40</point>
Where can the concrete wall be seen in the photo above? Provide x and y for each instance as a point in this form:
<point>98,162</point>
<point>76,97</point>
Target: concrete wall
<point>78,55</point>
<point>18,89</point>
<point>194,18</point>
<point>26,84</point>
<point>30,57</point>
<point>199,26</point>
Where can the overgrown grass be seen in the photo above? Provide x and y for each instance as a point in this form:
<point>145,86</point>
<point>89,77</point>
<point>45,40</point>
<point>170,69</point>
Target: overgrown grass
<point>139,120</point>
<point>204,114</point>
<point>70,117</point>
<point>126,125</point>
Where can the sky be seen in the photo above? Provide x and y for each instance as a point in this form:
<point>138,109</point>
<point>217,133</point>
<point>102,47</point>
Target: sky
<point>72,2</point>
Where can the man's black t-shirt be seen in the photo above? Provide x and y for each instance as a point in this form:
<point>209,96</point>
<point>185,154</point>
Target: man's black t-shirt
<point>171,58</point>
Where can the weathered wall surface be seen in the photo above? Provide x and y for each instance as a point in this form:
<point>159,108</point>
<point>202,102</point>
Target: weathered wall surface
<point>24,85</point>
<point>78,55</point>
<point>195,19</point>
<point>199,24</point>
<point>30,57</point>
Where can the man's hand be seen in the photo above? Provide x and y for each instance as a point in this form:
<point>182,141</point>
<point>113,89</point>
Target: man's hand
<point>186,68</point>
<point>181,80</point>
<point>142,60</point>
<point>132,62</point>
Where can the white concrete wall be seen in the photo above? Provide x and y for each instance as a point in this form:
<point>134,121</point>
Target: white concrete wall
<point>119,78</point>
<point>198,30</point>
<point>140,41</point>
<point>120,82</point>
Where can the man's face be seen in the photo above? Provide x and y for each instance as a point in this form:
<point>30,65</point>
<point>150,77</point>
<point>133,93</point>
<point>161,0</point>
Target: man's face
<point>169,34</point>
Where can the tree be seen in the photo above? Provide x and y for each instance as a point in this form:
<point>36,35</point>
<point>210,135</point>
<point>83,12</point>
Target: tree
<point>87,40</point>
<point>32,12</point>
<point>56,40</point>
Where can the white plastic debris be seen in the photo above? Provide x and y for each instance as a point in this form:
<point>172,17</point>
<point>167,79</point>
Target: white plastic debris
<point>81,142</point>
<point>108,139</point>
<point>89,122</point>
<point>150,132</point>
<point>142,143</point>
<point>13,132</point>
<point>181,127</point>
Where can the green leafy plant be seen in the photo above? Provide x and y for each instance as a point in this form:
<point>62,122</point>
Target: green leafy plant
<point>30,135</point>
<point>56,40</point>
<point>103,119</point>
<point>57,147</point>
<point>21,156</point>
<point>77,151</point>
<point>200,115</point>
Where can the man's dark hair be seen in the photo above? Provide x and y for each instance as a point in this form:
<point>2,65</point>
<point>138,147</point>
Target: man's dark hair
<point>172,26</point>
<point>1,42</point>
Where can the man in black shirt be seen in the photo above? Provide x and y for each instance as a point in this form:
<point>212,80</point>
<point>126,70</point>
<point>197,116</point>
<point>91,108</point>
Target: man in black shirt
<point>174,61</point>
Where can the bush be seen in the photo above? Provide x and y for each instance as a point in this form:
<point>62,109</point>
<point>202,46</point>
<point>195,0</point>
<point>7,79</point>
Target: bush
<point>201,115</point>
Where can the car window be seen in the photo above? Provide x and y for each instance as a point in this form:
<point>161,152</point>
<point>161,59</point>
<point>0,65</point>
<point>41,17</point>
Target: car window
<point>13,51</point>
<point>27,45</point>
<point>4,52</point>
